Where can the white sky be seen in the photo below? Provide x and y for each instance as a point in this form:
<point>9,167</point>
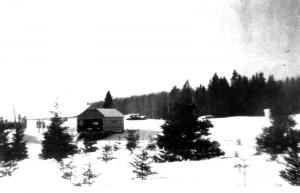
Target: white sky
<point>77,50</point>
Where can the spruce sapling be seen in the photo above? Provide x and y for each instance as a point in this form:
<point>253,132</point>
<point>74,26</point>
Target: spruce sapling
<point>141,165</point>
<point>89,175</point>
<point>67,168</point>
<point>107,153</point>
<point>19,149</point>
<point>132,140</point>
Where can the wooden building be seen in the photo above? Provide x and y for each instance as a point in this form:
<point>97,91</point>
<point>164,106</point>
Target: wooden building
<point>100,121</point>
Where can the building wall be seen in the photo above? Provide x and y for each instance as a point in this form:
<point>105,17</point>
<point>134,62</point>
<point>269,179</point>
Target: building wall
<point>31,127</point>
<point>113,124</point>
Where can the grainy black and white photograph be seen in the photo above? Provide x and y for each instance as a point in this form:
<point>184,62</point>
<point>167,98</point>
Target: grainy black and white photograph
<point>150,96</point>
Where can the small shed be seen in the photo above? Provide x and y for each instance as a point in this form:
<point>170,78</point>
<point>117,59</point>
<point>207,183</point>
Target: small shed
<point>100,121</point>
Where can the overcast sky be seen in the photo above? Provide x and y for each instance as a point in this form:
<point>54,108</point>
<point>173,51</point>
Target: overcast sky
<point>78,49</point>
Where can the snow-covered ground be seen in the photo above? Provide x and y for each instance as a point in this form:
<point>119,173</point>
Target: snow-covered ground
<point>235,134</point>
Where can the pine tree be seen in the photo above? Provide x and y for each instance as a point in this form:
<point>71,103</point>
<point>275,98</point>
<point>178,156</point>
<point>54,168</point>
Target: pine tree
<point>19,149</point>
<point>107,153</point>
<point>132,140</point>
<point>257,94</point>
<point>89,175</point>
<point>174,96</point>
<point>213,94</point>
<point>292,171</point>
<point>108,101</point>
<point>292,88</point>
<point>141,165</point>
<point>236,94</point>
<point>272,91</point>
<point>201,100</point>
<point>234,78</point>
<point>218,96</point>
<point>57,143</point>
<point>224,95</point>
<point>67,168</point>
<point>281,135</point>
<point>184,137</point>
<point>4,143</point>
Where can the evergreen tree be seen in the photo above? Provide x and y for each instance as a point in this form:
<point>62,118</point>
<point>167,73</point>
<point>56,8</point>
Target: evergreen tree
<point>132,140</point>
<point>141,165</point>
<point>174,96</point>
<point>281,135</point>
<point>218,96</point>
<point>183,135</point>
<point>161,105</point>
<point>292,89</point>
<point>237,94</point>
<point>67,168</point>
<point>213,95</point>
<point>256,94</point>
<point>201,100</point>
<point>107,153</point>
<point>234,79</point>
<point>224,101</point>
<point>57,143</point>
<point>89,175</point>
<point>108,101</point>
<point>243,97</point>
<point>292,171</point>
<point>19,149</point>
<point>273,90</point>
<point>4,143</point>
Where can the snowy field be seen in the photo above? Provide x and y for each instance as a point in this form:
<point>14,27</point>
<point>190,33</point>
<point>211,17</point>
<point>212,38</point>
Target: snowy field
<point>235,134</point>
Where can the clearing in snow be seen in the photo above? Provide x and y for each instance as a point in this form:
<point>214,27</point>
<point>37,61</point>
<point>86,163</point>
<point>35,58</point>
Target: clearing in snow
<point>239,170</point>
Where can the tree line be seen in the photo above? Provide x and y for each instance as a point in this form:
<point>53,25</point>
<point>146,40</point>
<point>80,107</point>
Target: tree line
<point>221,98</point>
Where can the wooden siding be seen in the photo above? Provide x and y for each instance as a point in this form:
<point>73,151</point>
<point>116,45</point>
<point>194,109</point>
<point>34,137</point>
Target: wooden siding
<point>113,124</point>
<point>106,124</point>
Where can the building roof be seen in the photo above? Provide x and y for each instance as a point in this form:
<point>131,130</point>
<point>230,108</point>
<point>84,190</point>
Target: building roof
<point>110,113</point>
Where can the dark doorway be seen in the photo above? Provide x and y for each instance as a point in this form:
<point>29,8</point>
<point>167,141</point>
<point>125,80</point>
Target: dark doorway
<point>90,125</point>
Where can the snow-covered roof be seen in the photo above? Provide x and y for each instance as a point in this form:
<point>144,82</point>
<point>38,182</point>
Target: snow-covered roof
<point>110,113</point>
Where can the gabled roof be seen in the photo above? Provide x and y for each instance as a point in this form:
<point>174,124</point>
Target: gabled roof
<point>110,112</point>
